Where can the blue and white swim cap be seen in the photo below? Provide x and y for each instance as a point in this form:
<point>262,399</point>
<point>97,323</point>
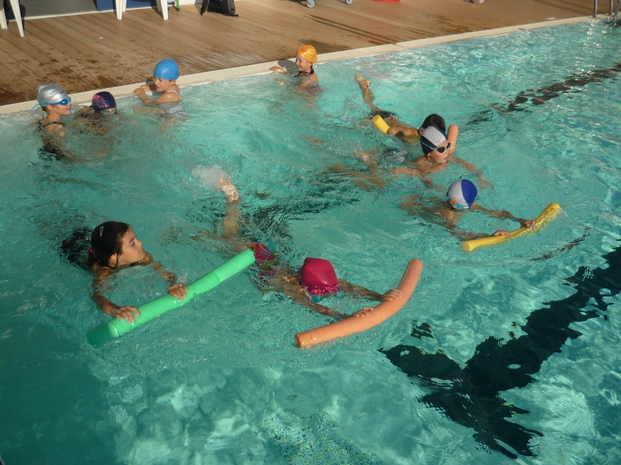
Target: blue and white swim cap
<point>431,138</point>
<point>461,195</point>
<point>167,69</point>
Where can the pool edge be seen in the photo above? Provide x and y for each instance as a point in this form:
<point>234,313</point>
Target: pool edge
<point>84,98</point>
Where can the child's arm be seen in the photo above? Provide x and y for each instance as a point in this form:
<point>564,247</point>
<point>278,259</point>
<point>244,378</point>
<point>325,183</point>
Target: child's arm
<point>126,312</point>
<point>392,294</point>
<point>177,290</point>
<point>451,135</point>
<point>299,295</point>
<point>403,131</point>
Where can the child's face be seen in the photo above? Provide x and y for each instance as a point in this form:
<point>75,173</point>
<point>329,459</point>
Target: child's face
<point>438,157</point>
<point>62,110</point>
<point>132,250</point>
<point>302,63</point>
<point>162,85</point>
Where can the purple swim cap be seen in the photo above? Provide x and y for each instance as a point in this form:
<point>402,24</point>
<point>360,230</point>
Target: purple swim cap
<point>103,101</point>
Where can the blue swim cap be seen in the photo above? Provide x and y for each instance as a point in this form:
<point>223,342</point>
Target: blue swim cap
<point>461,195</point>
<point>167,69</point>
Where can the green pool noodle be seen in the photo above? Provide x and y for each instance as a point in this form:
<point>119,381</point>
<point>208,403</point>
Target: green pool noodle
<point>115,327</point>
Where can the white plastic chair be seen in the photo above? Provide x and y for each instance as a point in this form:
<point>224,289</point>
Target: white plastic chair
<point>121,6</point>
<point>16,12</point>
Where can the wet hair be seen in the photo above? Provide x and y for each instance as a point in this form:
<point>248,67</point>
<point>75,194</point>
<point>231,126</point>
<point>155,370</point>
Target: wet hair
<point>434,120</point>
<point>75,246</point>
<point>106,240</point>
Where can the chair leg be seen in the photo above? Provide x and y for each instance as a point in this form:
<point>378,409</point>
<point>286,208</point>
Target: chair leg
<point>162,5</point>
<point>120,6</point>
<point>3,23</point>
<point>18,16</point>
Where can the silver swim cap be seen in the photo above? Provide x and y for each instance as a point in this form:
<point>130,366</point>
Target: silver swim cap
<point>50,94</point>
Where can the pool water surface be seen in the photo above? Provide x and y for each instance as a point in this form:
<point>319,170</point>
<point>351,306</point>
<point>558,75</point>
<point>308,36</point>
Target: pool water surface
<point>506,354</point>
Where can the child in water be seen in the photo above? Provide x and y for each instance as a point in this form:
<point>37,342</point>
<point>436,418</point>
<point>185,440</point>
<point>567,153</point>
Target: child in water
<point>165,77</point>
<point>406,133</point>
<point>315,281</point>
<point>460,197</point>
<point>95,117</point>
<point>305,58</point>
<point>438,155</point>
<point>56,103</point>
<point>114,247</point>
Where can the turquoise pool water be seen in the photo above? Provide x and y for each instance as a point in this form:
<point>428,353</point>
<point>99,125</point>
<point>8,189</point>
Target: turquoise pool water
<point>507,354</point>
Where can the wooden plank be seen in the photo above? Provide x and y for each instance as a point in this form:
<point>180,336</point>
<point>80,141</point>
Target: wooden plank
<point>87,52</point>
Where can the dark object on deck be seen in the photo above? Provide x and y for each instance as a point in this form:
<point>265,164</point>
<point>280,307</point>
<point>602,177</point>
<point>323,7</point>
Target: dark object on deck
<point>226,7</point>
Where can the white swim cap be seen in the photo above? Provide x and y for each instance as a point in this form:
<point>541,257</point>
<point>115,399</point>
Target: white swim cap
<point>431,138</point>
<point>461,195</point>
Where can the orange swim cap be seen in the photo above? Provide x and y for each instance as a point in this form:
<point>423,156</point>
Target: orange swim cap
<point>308,52</point>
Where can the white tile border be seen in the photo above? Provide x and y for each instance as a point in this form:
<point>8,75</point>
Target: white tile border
<point>84,98</point>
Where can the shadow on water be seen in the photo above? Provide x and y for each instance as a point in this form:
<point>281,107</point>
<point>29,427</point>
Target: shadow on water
<point>540,96</point>
<point>470,396</point>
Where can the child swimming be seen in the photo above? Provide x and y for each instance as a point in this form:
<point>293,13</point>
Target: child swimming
<point>314,282</point>
<point>114,247</point>
<point>95,117</point>
<point>438,155</point>
<point>460,197</point>
<point>305,58</point>
<point>56,103</point>
<point>165,77</point>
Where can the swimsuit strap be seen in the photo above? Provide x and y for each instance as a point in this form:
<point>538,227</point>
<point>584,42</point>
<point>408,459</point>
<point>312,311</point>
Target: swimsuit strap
<point>174,91</point>
<point>304,73</point>
<point>43,126</point>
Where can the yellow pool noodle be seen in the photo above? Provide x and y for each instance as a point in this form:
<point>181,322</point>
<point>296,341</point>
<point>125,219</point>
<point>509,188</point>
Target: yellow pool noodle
<point>547,215</point>
<point>380,124</point>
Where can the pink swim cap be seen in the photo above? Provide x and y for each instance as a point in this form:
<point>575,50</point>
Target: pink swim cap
<point>318,277</point>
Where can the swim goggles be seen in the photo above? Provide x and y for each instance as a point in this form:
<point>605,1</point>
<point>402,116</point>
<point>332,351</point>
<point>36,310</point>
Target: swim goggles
<point>455,205</point>
<point>64,101</point>
<point>437,149</point>
<point>443,149</point>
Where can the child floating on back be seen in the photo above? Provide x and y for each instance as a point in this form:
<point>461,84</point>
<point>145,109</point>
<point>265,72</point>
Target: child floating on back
<point>165,77</point>
<point>460,197</point>
<point>305,58</point>
<point>114,247</point>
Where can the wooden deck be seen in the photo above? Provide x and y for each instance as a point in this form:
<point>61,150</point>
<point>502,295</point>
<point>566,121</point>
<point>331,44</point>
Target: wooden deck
<point>94,51</point>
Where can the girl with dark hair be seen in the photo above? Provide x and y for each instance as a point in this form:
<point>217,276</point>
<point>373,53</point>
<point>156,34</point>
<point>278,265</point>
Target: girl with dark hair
<point>114,247</point>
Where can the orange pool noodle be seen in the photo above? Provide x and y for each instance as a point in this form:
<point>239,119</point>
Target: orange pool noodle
<point>357,324</point>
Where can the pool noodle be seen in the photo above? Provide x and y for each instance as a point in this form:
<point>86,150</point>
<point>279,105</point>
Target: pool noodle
<point>115,327</point>
<point>358,324</point>
<point>547,215</point>
<point>380,124</point>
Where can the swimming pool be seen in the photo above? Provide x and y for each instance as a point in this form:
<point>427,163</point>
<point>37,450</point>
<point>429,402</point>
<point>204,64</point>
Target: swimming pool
<point>496,359</point>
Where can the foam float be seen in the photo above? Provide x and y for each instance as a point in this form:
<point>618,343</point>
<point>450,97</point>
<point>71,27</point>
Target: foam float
<point>547,215</point>
<point>358,324</point>
<point>115,327</point>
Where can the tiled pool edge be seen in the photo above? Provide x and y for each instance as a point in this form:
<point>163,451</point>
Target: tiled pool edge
<point>84,98</point>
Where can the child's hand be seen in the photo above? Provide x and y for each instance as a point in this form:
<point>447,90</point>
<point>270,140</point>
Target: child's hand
<point>277,69</point>
<point>393,294</point>
<point>125,313</point>
<point>502,232</point>
<point>363,312</point>
<point>281,82</point>
<point>527,223</point>
<point>178,291</point>
<point>142,89</point>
